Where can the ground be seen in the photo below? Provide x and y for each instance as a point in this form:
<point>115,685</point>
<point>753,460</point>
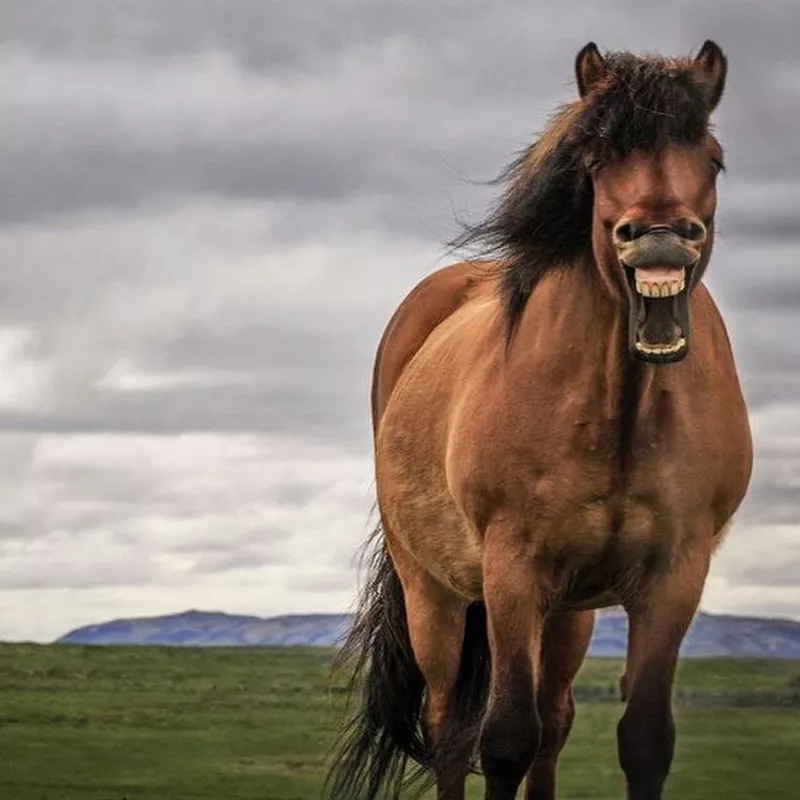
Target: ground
<point>82,723</point>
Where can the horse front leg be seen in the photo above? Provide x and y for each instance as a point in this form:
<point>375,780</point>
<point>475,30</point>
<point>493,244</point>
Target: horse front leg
<point>564,645</point>
<point>512,730</point>
<point>659,617</point>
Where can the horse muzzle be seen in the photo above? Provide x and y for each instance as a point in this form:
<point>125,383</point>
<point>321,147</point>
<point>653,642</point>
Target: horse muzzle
<point>658,267</point>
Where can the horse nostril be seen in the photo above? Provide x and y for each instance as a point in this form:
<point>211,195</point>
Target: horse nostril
<point>628,231</point>
<point>691,230</point>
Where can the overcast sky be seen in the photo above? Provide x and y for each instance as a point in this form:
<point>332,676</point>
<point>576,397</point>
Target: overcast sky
<point>208,212</point>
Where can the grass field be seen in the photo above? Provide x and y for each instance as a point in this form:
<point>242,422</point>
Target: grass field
<point>80,723</point>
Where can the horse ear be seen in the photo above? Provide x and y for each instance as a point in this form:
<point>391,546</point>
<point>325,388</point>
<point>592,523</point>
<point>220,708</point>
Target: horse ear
<point>589,68</point>
<point>710,67</point>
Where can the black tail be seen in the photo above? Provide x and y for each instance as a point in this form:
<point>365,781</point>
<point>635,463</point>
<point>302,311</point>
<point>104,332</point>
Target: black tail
<point>385,733</point>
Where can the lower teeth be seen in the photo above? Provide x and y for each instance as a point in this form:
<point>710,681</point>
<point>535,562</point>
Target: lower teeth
<point>661,349</point>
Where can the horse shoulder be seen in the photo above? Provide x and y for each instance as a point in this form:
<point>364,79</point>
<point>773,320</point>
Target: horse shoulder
<point>432,301</point>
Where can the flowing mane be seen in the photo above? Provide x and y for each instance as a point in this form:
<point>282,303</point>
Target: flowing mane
<point>543,218</point>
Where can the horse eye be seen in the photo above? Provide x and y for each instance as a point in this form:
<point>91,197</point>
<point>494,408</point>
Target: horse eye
<point>718,165</point>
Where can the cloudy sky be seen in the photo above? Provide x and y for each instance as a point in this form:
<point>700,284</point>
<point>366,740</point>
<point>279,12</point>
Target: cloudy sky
<point>209,210</point>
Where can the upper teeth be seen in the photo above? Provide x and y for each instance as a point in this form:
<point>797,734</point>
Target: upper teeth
<point>660,283</point>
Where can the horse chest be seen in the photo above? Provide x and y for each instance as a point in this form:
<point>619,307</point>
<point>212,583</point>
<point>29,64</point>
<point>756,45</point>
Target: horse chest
<point>620,454</point>
<point>593,474</point>
<point>612,448</point>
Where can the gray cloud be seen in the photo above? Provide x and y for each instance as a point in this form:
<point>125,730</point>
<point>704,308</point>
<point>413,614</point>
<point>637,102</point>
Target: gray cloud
<point>209,213</point>
<point>158,102</point>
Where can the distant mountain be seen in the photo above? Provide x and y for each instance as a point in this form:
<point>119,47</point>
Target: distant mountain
<point>215,629</point>
<point>710,634</point>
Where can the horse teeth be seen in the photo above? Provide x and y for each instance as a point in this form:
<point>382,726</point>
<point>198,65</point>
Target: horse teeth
<point>659,282</point>
<point>663,289</point>
<point>661,349</point>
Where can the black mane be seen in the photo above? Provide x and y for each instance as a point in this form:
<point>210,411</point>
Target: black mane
<point>543,219</point>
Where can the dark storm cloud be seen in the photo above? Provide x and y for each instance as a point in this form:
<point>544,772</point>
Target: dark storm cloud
<point>243,557</point>
<point>784,574</point>
<point>165,412</point>
<point>269,102</point>
<point>295,494</point>
<point>209,212</point>
<point>771,504</point>
<point>66,573</point>
<point>265,377</point>
<point>357,118</point>
<point>270,537</point>
<point>780,294</point>
<point>763,391</point>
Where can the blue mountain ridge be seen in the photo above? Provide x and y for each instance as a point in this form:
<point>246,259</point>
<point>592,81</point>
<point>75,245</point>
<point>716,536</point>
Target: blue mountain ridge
<point>710,634</point>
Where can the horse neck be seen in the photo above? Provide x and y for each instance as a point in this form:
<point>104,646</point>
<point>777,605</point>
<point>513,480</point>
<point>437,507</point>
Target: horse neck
<point>579,326</point>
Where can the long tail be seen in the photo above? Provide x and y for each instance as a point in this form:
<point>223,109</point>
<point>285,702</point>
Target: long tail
<point>385,733</point>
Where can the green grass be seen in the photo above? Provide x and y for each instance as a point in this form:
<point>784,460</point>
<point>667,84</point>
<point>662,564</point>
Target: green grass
<point>79,723</point>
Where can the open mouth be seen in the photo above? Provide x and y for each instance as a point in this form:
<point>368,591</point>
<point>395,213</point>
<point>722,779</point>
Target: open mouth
<point>658,327</point>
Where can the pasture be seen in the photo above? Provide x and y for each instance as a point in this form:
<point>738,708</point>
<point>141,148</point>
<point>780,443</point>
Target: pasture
<point>81,723</point>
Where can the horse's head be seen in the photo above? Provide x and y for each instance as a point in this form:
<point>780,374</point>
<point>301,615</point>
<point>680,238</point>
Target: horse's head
<point>652,163</point>
<point>624,177</point>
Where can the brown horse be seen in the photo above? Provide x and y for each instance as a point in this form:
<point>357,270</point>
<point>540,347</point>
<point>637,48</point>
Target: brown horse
<point>557,429</point>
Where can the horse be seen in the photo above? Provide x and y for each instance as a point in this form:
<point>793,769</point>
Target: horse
<point>558,427</point>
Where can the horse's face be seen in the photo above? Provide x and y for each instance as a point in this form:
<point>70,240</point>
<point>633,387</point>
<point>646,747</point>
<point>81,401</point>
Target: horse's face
<point>653,218</point>
<point>653,226</point>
